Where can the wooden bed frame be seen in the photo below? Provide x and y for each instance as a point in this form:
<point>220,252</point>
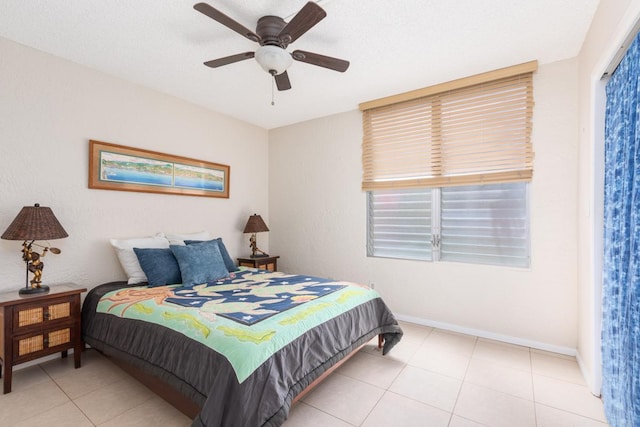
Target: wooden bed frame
<point>188,406</point>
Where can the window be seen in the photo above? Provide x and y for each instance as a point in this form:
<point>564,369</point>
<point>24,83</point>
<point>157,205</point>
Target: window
<point>447,168</point>
<point>482,224</point>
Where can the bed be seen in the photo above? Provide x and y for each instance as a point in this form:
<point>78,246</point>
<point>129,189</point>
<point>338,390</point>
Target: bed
<point>237,351</point>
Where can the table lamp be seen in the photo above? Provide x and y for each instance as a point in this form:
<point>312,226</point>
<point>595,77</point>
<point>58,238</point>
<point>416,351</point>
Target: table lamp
<point>35,223</point>
<point>255,224</point>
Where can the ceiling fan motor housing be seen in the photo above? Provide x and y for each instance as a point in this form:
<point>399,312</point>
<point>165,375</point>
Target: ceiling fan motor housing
<point>269,28</point>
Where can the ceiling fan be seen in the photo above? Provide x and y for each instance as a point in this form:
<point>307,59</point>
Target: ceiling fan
<point>274,34</point>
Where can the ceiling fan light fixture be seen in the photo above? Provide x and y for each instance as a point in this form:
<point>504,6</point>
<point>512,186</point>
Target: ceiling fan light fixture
<point>273,58</point>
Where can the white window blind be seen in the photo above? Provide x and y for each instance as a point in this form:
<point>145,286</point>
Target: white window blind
<point>485,224</point>
<point>472,131</point>
<point>399,224</point>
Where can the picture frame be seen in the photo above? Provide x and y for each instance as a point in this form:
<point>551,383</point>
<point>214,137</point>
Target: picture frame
<point>122,168</point>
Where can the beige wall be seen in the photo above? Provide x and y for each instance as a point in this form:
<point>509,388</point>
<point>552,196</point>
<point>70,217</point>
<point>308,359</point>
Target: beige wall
<point>611,24</point>
<point>50,108</point>
<point>309,192</point>
<point>318,223</point>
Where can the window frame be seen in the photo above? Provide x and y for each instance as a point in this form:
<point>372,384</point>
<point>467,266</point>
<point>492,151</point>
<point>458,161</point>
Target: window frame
<point>436,236</point>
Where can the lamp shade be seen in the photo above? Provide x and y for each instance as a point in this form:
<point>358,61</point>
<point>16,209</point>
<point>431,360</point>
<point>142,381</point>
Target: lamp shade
<point>35,223</point>
<point>255,225</point>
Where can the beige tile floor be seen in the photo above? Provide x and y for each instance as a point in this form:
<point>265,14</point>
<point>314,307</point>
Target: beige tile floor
<point>432,378</point>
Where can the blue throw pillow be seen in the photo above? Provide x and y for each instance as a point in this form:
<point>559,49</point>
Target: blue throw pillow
<point>159,265</point>
<point>200,263</point>
<point>228,261</point>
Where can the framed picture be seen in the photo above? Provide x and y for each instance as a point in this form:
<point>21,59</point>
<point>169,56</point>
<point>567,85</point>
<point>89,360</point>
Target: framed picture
<point>116,167</point>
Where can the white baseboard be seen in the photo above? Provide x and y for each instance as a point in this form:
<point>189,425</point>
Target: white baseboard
<point>489,335</point>
<point>594,388</point>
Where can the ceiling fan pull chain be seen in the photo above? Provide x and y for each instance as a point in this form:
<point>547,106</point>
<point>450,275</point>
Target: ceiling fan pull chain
<point>273,83</point>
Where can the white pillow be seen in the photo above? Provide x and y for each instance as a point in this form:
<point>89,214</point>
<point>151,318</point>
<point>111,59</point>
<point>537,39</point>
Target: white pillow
<point>178,239</point>
<point>128,258</point>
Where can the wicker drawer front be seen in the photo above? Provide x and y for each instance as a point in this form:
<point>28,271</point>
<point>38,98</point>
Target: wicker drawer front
<point>29,316</point>
<point>63,336</point>
<point>30,345</point>
<point>59,311</point>
<point>42,342</point>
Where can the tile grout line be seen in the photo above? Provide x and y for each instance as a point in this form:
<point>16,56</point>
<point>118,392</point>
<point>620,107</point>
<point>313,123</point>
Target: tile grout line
<point>386,390</point>
<point>373,408</point>
<point>475,344</point>
<point>341,419</point>
<point>574,413</point>
<point>535,401</point>
<point>407,364</point>
<point>533,390</point>
<point>323,411</point>
<point>35,385</point>
<point>117,415</point>
<point>68,397</point>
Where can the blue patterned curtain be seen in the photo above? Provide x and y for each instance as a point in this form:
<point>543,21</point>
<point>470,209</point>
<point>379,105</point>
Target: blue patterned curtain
<point>621,286</point>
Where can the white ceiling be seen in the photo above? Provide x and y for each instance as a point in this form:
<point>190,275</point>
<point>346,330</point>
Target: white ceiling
<point>393,45</point>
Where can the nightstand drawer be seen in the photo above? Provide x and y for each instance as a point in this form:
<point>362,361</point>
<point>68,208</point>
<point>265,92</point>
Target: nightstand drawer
<point>41,344</point>
<point>38,314</point>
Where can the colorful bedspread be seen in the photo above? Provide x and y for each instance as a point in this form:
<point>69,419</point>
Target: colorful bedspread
<point>247,317</point>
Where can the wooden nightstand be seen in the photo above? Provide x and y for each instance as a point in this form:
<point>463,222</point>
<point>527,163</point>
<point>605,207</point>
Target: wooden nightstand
<point>266,262</point>
<point>38,325</point>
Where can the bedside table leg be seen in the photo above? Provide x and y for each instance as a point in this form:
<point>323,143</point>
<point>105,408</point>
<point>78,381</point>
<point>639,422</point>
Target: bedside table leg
<point>7,379</point>
<point>64,354</point>
<point>77,354</point>
<point>7,367</point>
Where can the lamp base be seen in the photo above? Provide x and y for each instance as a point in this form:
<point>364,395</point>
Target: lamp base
<point>262,255</point>
<point>31,291</point>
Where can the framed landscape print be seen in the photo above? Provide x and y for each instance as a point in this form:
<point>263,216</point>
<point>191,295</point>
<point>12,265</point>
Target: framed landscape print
<point>116,167</point>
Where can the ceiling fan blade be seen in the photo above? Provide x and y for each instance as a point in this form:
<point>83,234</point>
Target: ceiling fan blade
<point>282,81</point>
<point>307,17</point>
<point>216,15</point>
<point>320,60</point>
<point>214,63</point>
